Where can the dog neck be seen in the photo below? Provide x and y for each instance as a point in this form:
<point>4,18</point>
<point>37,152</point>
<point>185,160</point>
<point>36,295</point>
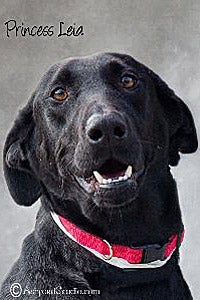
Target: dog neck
<point>148,256</point>
<point>58,247</point>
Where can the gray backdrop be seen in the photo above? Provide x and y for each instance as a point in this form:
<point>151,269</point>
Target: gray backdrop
<point>165,35</point>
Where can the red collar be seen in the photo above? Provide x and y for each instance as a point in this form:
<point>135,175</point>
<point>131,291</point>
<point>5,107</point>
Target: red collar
<point>150,256</point>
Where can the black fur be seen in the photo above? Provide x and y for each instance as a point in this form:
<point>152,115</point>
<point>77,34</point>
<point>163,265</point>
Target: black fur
<point>52,144</point>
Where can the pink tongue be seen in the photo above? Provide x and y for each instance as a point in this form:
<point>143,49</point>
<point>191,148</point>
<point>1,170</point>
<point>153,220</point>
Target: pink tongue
<point>113,175</point>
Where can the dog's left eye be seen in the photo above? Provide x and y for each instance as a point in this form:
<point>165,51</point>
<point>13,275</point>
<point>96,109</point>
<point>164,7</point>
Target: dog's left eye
<point>128,81</point>
<point>59,94</point>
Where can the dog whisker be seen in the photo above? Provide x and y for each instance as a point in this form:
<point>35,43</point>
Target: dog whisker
<point>111,214</point>
<point>121,215</point>
<point>90,208</point>
<point>151,143</point>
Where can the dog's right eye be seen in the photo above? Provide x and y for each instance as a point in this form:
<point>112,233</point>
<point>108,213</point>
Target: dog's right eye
<point>59,94</point>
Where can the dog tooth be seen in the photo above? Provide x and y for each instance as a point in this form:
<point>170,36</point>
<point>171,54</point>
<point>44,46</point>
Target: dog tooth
<point>120,178</point>
<point>125,177</point>
<point>98,177</point>
<point>129,171</point>
<point>104,181</point>
<point>109,180</point>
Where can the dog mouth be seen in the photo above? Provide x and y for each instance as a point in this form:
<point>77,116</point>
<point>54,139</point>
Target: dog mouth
<point>108,177</point>
<point>112,174</point>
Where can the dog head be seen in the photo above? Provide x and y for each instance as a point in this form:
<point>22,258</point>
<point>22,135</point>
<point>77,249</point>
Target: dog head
<point>92,132</point>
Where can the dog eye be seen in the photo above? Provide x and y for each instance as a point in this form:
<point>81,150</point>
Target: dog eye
<point>59,94</point>
<point>128,81</point>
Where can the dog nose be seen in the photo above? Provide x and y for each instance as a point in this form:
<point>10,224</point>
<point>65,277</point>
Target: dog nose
<point>110,126</point>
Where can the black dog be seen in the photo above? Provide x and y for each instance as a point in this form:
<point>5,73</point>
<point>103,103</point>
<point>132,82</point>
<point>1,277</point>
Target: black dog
<point>95,142</point>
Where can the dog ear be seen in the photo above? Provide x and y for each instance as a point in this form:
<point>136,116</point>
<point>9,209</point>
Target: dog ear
<point>182,132</point>
<point>22,183</point>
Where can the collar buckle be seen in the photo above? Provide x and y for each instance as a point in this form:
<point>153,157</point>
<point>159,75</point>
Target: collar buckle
<point>153,253</point>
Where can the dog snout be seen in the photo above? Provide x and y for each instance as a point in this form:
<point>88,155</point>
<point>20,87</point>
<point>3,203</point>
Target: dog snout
<point>108,128</point>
